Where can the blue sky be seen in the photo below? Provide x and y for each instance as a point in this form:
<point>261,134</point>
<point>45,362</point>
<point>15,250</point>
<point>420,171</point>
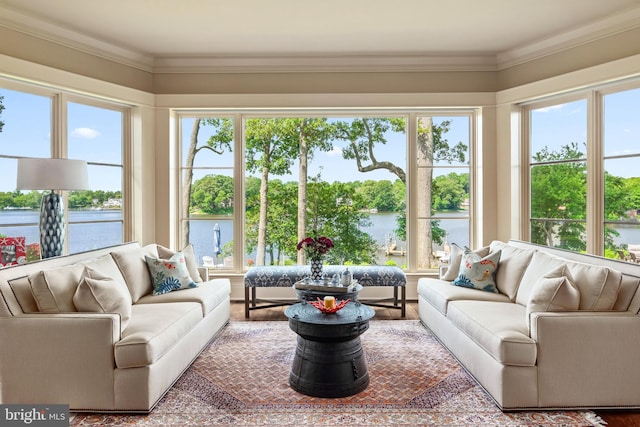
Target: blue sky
<point>94,134</point>
<point>560,124</point>
<point>331,165</point>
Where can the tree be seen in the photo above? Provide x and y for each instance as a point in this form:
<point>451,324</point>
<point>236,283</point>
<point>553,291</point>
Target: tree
<point>312,134</point>
<point>432,147</point>
<point>221,140</point>
<point>271,147</point>
<point>558,198</point>
<point>212,194</point>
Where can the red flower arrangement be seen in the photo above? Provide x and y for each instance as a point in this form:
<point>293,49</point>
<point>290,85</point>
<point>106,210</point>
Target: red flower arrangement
<point>315,247</point>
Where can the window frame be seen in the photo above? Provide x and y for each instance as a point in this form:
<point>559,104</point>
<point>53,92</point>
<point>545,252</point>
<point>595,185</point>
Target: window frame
<point>240,116</point>
<point>595,158</point>
<point>60,98</point>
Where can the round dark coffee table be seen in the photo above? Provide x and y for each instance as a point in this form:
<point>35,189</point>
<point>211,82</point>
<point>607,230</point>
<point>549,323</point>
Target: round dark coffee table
<point>329,361</point>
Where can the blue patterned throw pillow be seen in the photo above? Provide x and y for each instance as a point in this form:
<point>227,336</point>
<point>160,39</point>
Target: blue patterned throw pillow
<point>478,273</point>
<point>169,274</point>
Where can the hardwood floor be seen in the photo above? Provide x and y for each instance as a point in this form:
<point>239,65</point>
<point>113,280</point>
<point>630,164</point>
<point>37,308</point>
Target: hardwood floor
<point>612,418</point>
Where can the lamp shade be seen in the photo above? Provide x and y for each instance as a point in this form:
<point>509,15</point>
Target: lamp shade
<point>52,174</point>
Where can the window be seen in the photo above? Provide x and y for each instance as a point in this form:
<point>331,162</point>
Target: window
<point>342,176</point>
<point>207,188</point>
<point>583,185</point>
<point>558,166</point>
<point>95,218</point>
<point>32,118</point>
<point>621,137</point>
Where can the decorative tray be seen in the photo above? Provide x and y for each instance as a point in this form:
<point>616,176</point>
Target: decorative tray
<point>319,285</point>
<point>319,304</point>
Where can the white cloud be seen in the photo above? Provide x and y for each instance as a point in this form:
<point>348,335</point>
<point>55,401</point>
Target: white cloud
<point>337,151</point>
<point>86,133</point>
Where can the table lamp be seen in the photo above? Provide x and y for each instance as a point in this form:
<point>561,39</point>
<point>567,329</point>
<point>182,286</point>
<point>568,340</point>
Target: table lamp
<point>54,175</point>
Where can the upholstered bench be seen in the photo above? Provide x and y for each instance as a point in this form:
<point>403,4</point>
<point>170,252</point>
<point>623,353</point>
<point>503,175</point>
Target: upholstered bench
<point>285,276</point>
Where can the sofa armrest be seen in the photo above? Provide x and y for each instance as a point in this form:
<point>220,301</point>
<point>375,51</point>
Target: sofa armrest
<point>204,273</point>
<point>587,357</point>
<point>65,358</point>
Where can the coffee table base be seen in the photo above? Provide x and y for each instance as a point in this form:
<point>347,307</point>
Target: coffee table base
<point>329,369</point>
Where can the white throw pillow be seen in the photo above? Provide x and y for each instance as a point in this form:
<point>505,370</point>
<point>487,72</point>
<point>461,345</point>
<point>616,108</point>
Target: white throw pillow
<point>554,291</point>
<point>100,294</point>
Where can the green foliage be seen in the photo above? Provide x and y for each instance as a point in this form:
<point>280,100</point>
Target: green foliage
<point>212,194</point>
<point>558,198</point>
<point>450,191</point>
<point>75,199</point>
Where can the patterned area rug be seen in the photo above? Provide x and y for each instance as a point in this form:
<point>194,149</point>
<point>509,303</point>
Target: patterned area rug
<point>242,379</point>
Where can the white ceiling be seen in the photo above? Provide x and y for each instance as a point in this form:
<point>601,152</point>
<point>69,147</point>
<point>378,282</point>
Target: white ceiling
<point>155,32</point>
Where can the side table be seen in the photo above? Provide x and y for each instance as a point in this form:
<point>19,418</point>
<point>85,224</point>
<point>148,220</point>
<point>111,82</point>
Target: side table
<point>329,360</point>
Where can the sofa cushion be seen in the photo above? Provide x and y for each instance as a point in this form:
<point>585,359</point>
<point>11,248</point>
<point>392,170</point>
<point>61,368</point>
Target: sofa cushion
<point>169,274</point>
<point>21,288</point>
<point>208,294</point>
<point>439,293</point>
<point>100,294</point>
<point>103,266</point>
<point>53,289</point>
<point>513,264</point>
<point>153,330</point>
<point>456,257</point>
<point>134,269</point>
<point>541,264</point>
<point>554,291</point>
<point>189,256</point>
<point>598,286</point>
<point>500,328</point>
<point>477,272</point>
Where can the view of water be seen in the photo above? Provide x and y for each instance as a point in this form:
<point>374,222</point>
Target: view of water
<point>84,237</point>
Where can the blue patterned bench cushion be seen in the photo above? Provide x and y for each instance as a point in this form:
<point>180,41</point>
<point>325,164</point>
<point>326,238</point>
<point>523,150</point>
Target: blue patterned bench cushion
<point>282,276</point>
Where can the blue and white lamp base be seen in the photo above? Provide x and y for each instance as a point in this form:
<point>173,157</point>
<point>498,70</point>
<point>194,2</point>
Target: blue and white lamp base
<point>52,225</point>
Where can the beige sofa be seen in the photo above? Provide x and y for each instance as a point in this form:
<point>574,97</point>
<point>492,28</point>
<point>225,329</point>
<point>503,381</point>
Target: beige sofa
<point>522,345</point>
<point>118,357</point>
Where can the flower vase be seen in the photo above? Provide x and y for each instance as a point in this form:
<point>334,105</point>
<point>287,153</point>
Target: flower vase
<point>316,269</point>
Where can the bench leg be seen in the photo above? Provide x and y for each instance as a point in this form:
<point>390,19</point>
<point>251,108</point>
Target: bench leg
<point>246,302</point>
<point>403,306</point>
<point>395,296</point>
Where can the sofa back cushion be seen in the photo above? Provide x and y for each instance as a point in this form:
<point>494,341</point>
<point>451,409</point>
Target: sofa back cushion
<point>21,288</point>
<point>513,264</point>
<point>133,266</point>
<point>53,289</point>
<point>541,264</point>
<point>98,293</point>
<point>598,286</point>
<point>555,291</point>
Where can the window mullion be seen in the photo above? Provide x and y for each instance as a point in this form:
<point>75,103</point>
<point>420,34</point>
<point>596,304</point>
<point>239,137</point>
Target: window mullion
<point>595,175</point>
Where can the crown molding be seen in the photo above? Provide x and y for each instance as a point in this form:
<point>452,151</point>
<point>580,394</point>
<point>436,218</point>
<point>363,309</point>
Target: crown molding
<point>391,62</point>
<point>604,28</point>
<point>57,34</point>
<point>324,63</point>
